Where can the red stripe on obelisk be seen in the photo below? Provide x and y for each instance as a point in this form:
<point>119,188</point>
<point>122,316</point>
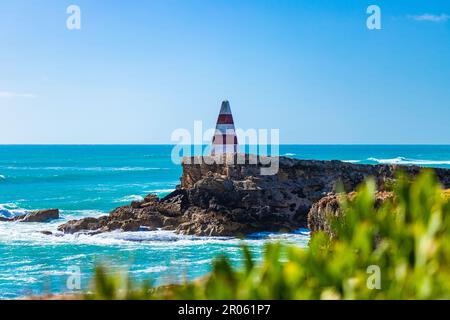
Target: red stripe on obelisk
<point>225,119</point>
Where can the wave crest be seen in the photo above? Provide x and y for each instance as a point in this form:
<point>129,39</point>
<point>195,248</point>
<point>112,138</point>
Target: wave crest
<point>133,197</point>
<point>409,161</point>
<point>10,210</point>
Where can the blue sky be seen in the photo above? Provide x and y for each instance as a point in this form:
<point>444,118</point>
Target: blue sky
<point>138,70</point>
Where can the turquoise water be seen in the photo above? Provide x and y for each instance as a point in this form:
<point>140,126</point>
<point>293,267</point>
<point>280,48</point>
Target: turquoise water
<point>91,180</point>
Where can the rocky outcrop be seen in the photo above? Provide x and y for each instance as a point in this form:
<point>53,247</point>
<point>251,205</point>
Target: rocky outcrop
<point>236,198</point>
<point>328,207</point>
<point>40,216</point>
<point>35,216</point>
<point>323,210</point>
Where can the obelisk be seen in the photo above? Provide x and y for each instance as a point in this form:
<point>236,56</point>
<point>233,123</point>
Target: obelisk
<point>225,140</point>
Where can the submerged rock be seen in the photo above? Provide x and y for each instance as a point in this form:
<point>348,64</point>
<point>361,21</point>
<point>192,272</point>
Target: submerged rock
<point>235,198</point>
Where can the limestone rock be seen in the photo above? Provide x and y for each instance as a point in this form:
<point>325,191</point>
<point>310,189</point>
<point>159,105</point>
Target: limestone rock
<point>234,197</point>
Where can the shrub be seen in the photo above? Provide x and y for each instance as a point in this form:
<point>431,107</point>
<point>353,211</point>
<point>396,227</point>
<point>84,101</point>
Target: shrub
<point>399,250</point>
<point>446,194</point>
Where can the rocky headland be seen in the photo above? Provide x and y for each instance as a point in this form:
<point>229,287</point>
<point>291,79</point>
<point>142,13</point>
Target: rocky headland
<point>234,198</point>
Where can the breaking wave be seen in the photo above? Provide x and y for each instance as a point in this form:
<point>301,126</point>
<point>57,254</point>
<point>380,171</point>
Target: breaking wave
<point>351,161</point>
<point>15,233</point>
<point>130,198</point>
<point>9,210</point>
<point>409,161</point>
<point>160,191</point>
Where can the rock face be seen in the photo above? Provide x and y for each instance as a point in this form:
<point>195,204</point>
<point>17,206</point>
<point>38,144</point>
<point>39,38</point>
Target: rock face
<point>328,206</point>
<point>232,199</point>
<point>35,216</point>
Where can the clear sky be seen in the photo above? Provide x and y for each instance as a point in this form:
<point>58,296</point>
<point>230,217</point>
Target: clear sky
<point>137,70</point>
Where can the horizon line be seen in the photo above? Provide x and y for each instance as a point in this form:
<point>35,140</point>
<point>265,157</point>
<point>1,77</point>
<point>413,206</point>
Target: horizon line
<point>206,144</point>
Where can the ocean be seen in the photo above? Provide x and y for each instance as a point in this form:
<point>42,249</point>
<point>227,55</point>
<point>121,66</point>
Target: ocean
<point>91,180</point>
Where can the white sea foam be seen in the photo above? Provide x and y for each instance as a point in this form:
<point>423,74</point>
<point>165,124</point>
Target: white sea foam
<point>133,197</point>
<point>30,267</point>
<point>16,233</point>
<point>18,279</point>
<point>351,161</point>
<point>16,263</point>
<point>2,177</point>
<point>190,262</point>
<point>289,154</point>
<point>73,257</point>
<point>9,210</point>
<point>135,169</point>
<point>47,273</point>
<point>159,191</point>
<point>408,161</point>
<point>79,214</point>
<point>152,269</point>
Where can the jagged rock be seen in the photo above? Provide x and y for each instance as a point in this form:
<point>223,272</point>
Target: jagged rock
<point>230,199</point>
<point>130,225</point>
<point>136,204</point>
<point>151,198</point>
<point>86,224</point>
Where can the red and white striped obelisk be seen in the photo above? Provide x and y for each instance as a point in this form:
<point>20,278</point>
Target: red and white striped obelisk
<point>225,139</point>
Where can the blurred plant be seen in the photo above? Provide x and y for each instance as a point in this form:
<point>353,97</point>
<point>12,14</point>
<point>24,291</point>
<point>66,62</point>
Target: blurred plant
<point>117,286</point>
<point>407,239</point>
<point>446,194</point>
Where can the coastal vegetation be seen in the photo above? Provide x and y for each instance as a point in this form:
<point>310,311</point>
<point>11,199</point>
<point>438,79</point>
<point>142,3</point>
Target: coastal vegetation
<point>446,193</point>
<point>399,249</point>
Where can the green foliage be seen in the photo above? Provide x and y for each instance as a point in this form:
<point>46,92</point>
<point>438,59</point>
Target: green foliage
<point>117,287</point>
<point>406,239</point>
<point>446,194</point>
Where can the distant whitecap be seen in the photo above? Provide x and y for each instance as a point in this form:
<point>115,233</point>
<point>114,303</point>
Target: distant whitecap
<point>408,161</point>
<point>133,197</point>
